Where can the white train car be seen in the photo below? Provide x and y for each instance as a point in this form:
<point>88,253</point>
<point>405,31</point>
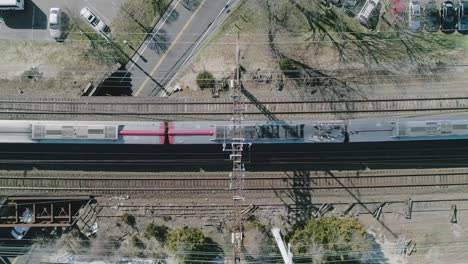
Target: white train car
<point>82,132</point>
<point>408,129</point>
<point>258,132</point>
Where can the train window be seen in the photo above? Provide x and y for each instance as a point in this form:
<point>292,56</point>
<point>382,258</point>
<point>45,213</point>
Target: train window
<point>417,129</point>
<point>269,131</point>
<point>296,131</point>
<point>96,131</point>
<point>458,126</point>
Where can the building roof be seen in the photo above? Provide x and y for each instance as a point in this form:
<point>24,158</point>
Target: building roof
<point>8,2</point>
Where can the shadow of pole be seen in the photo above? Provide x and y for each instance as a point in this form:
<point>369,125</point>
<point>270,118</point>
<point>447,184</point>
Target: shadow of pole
<point>300,193</point>
<point>360,203</point>
<point>139,67</point>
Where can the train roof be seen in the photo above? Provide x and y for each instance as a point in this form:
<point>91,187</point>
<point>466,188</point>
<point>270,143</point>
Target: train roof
<point>419,128</point>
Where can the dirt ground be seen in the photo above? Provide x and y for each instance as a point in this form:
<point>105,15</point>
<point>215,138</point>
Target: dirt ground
<point>391,62</point>
<point>436,239</point>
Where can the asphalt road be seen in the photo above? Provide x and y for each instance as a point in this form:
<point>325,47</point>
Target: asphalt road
<point>174,39</point>
<point>31,24</point>
<point>279,157</point>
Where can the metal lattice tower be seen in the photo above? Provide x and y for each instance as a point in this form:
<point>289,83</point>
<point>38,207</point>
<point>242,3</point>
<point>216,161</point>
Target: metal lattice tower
<point>237,174</point>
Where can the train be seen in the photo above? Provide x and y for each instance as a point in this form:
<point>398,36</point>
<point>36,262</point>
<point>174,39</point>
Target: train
<point>221,132</point>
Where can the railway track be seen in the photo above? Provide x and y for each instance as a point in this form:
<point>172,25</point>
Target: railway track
<point>258,182</point>
<point>171,108</point>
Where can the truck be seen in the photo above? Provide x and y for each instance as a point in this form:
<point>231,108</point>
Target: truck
<point>12,5</point>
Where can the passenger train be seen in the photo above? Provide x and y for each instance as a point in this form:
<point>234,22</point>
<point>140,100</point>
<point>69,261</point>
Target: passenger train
<point>221,132</point>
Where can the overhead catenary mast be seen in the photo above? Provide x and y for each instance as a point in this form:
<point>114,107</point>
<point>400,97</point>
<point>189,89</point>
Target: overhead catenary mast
<point>238,171</point>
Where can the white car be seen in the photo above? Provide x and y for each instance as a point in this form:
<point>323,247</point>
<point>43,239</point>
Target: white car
<point>96,23</point>
<point>55,23</point>
<point>414,21</point>
<point>27,218</point>
<point>367,11</point>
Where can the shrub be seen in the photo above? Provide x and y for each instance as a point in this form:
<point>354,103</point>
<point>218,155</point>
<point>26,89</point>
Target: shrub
<point>156,231</point>
<point>186,238</point>
<point>136,242</point>
<point>336,238</point>
<point>128,219</point>
<point>191,246</point>
<point>205,80</point>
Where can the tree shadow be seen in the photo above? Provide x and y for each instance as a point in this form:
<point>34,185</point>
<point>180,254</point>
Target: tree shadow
<point>31,18</point>
<point>375,254</point>
<point>170,16</point>
<point>191,4</point>
<point>66,24</point>
<point>391,48</point>
<point>329,88</point>
<point>374,18</point>
<point>212,252</point>
<point>158,42</point>
<point>118,83</point>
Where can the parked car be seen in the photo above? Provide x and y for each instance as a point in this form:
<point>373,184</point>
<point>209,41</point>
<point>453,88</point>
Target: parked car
<point>432,17</point>
<point>338,3</point>
<point>414,21</point>
<point>367,11</point>
<point>55,23</point>
<point>448,16</point>
<point>463,17</point>
<point>27,218</point>
<point>96,23</point>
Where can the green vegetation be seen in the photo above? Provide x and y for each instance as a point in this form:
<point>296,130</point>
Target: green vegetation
<point>190,245</point>
<point>289,67</point>
<point>159,232</point>
<point>260,246</point>
<point>108,53</point>
<point>137,243</point>
<point>128,219</point>
<point>335,239</point>
<point>186,238</point>
<point>205,80</point>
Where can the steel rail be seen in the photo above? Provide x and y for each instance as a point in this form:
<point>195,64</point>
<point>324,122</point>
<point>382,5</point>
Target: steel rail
<point>227,113</point>
<point>165,102</point>
<point>138,185</point>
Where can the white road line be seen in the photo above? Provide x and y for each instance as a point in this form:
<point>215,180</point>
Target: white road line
<point>33,17</point>
<point>157,31</point>
<point>198,44</point>
<point>97,11</point>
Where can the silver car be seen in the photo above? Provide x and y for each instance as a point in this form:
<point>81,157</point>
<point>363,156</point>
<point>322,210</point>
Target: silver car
<point>96,23</point>
<point>55,23</point>
<point>414,21</point>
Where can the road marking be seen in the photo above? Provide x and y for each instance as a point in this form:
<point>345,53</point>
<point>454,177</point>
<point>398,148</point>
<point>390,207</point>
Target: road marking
<point>199,42</point>
<point>142,86</point>
<point>32,22</point>
<point>154,33</point>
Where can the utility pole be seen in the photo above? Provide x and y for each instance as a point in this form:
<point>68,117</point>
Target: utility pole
<point>285,252</point>
<point>238,170</point>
